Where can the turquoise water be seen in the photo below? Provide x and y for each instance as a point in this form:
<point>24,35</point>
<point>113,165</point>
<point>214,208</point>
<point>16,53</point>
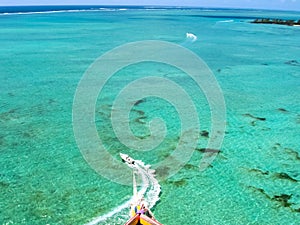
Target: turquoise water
<point>255,179</point>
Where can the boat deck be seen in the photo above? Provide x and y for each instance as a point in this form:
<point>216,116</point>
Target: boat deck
<point>142,220</point>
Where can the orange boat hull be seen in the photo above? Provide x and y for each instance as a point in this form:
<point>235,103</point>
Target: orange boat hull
<point>141,220</point>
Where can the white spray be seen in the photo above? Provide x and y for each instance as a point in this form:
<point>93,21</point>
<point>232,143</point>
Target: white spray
<point>150,190</point>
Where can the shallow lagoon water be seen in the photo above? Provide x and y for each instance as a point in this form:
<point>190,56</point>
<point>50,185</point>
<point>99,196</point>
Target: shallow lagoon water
<point>255,178</point>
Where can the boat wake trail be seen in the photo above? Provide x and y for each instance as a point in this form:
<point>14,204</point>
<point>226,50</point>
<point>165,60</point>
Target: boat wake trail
<point>149,189</point>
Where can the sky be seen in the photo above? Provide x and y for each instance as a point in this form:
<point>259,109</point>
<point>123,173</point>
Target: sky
<point>254,4</point>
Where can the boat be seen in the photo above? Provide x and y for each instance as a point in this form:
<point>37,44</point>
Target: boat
<point>127,159</point>
<point>142,220</point>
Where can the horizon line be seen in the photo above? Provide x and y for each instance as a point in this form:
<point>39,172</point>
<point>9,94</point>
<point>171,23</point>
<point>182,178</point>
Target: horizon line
<point>158,6</point>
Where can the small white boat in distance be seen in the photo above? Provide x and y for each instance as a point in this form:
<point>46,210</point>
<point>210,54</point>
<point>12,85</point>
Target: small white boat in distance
<point>127,159</point>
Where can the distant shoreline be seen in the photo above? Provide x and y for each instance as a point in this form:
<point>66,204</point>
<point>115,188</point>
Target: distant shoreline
<point>157,6</point>
<point>277,21</point>
<point>41,8</point>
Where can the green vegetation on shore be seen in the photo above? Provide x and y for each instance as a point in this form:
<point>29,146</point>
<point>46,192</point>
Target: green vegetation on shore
<point>277,21</point>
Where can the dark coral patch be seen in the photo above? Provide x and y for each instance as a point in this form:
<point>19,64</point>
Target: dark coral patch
<point>292,63</point>
<point>285,176</point>
<point>283,199</point>
<point>260,190</point>
<point>6,116</point>
<point>204,133</point>
<point>282,110</point>
<point>162,171</point>
<point>276,146</point>
<point>27,135</point>
<point>179,183</point>
<point>254,117</point>
<point>91,190</point>
<point>208,150</point>
<point>139,102</point>
<point>255,170</point>
<point>190,166</point>
<point>51,101</point>
<point>140,120</point>
<point>139,112</point>
<point>292,152</point>
<point>38,196</point>
<point>4,184</point>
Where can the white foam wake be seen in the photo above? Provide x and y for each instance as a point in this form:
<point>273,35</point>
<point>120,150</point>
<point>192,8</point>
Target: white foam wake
<point>225,21</point>
<point>110,214</point>
<point>191,37</point>
<point>149,189</point>
<point>150,184</point>
<point>59,11</point>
